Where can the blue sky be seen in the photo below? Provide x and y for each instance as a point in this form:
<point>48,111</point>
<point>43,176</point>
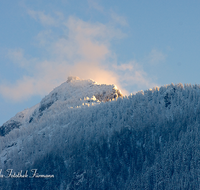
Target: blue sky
<point>134,44</point>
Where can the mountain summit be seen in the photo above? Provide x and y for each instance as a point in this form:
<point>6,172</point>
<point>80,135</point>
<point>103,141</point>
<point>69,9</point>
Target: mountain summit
<point>74,93</point>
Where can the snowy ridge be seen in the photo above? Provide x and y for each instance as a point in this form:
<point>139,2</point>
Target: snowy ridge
<point>18,120</point>
<point>71,94</point>
<point>75,91</point>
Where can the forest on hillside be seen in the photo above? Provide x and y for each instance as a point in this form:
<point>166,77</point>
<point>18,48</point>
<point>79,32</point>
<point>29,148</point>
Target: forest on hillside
<point>148,140</point>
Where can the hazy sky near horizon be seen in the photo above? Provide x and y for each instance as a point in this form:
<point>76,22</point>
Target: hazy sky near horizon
<point>134,44</point>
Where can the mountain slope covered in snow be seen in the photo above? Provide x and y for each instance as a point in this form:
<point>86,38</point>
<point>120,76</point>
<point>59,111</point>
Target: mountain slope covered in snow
<point>148,140</point>
<point>73,93</point>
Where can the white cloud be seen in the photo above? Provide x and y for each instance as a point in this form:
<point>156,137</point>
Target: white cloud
<point>83,51</point>
<point>17,56</point>
<point>132,74</point>
<point>123,67</point>
<point>95,5</point>
<point>119,19</point>
<point>44,18</point>
<point>44,38</point>
<point>156,57</point>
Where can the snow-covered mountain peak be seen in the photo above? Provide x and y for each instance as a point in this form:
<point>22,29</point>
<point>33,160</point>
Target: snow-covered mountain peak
<point>73,80</point>
<point>73,93</point>
<point>77,88</point>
